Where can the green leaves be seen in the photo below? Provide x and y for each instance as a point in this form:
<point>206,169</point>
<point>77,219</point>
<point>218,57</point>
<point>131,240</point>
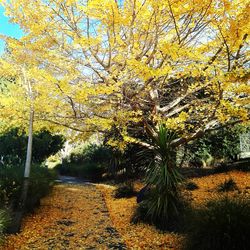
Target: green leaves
<point>164,202</point>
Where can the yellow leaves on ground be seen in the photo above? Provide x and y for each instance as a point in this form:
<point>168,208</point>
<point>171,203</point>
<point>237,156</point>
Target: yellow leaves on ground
<point>72,217</point>
<point>141,236</point>
<point>76,217</point>
<point>208,186</point>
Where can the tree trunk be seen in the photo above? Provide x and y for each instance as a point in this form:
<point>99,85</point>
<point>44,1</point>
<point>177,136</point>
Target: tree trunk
<point>19,212</point>
<point>29,147</point>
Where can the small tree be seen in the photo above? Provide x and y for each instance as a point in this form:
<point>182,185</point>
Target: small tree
<point>23,104</point>
<point>163,205</point>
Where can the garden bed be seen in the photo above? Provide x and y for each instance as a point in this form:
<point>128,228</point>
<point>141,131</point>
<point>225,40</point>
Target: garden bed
<point>142,236</point>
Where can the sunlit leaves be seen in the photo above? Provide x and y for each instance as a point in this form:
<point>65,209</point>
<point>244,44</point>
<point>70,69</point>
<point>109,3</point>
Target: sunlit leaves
<point>101,60</point>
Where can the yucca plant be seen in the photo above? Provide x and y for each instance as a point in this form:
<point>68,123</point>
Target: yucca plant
<point>164,203</point>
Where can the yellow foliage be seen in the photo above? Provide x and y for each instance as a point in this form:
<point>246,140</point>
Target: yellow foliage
<point>95,64</point>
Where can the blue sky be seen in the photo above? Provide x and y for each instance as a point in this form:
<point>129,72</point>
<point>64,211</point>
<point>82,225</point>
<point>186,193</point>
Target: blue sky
<point>8,28</point>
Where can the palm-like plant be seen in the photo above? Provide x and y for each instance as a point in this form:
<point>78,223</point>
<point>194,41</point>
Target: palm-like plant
<point>163,204</point>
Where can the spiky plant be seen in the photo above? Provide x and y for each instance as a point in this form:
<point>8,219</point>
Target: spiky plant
<point>4,221</point>
<point>162,206</point>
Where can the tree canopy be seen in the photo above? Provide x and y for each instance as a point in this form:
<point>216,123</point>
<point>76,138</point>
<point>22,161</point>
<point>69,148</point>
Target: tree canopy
<point>95,65</point>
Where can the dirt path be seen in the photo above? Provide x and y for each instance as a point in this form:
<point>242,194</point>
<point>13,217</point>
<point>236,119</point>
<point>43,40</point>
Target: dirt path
<point>71,217</point>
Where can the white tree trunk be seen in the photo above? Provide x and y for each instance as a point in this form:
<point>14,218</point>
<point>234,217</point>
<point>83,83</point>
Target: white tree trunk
<point>29,146</point>
<point>28,86</point>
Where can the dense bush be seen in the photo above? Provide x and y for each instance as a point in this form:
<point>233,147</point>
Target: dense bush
<point>227,185</point>
<point>222,168</point>
<point>243,165</point>
<point>223,224</point>
<point>93,170</point>
<point>13,146</point>
<point>46,144</point>
<point>11,178</point>
<point>89,153</point>
<point>135,160</point>
<point>125,190</point>
<point>130,162</point>
<point>89,162</point>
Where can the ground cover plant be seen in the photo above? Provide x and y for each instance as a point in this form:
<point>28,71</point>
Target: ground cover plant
<point>4,221</point>
<point>222,224</point>
<point>227,185</point>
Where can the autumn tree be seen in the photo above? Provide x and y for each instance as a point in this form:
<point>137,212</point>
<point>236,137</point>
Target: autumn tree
<point>23,104</point>
<point>183,64</point>
<point>172,69</point>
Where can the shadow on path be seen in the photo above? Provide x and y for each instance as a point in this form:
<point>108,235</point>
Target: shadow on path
<point>72,180</point>
<point>74,216</point>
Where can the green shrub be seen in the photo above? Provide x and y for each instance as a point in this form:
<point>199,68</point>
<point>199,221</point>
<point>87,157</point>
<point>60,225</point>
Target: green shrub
<point>70,169</point>
<point>89,162</point>
<point>89,153</point>
<point>92,171</point>
<point>222,168</point>
<point>190,185</point>
<point>41,181</point>
<point>11,178</point>
<point>126,190</point>
<point>222,145</point>
<point>11,181</point>
<point>223,224</point>
<point>227,185</point>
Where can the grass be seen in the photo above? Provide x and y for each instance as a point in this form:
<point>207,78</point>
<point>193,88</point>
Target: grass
<point>222,224</point>
<point>4,221</point>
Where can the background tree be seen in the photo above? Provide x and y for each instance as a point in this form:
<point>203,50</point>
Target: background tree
<point>13,146</point>
<point>23,103</point>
